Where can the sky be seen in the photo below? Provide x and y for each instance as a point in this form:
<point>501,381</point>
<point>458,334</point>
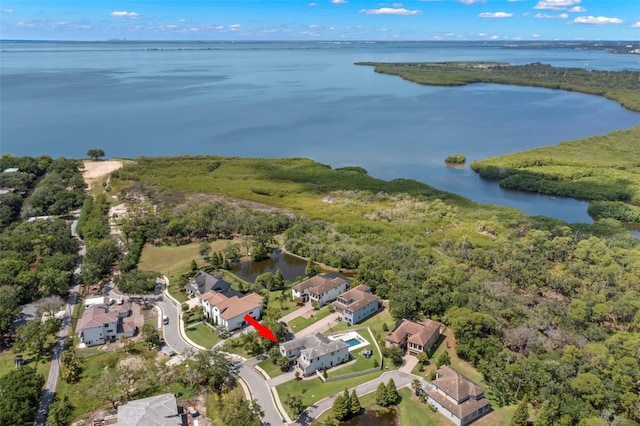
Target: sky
<point>320,20</point>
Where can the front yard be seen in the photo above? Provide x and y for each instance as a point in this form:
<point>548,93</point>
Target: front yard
<point>270,368</point>
<point>314,390</point>
<point>202,334</point>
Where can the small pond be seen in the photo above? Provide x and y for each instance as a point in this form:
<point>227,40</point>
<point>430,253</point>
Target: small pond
<point>291,267</point>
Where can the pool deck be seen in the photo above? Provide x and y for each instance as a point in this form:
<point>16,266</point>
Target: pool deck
<point>345,337</point>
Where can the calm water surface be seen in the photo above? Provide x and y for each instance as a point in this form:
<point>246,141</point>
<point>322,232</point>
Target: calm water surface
<point>297,99</point>
<point>291,267</point>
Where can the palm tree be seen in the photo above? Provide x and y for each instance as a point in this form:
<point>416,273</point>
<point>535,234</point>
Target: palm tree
<point>415,385</point>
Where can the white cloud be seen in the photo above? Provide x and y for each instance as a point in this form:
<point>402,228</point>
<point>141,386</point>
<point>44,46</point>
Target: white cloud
<point>339,1</point>
<point>313,4</point>
<point>8,10</point>
<point>313,26</point>
<point>636,25</point>
<point>234,27</point>
<point>495,15</point>
<point>472,1</point>
<point>545,16</point>
<point>494,37</point>
<point>220,27</point>
<point>123,14</point>
<point>555,4</point>
<point>390,11</point>
<point>535,35</point>
<point>397,5</point>
<point>597,20</point>
<point>577,9</point>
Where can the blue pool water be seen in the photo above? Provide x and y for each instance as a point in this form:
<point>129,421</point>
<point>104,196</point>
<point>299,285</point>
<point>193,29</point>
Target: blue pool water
<point>352,342</point>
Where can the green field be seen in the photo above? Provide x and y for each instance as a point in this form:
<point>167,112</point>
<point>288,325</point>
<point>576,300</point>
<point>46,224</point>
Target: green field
<point>300,323</point>
<point>202,334</point>
<point>314,390</point>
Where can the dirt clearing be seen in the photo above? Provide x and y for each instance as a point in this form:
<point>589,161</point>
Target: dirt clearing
<point>96,169</point>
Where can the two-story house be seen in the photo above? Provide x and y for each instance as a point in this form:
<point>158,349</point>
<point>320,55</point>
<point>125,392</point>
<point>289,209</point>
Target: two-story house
<point>203,283</point>
<point>315,352</point>
<point>321,289</point>
<point>229,309</point>
<point>458,398</point>
<point>357,304</point>
<point>99,324</point>
<point>415,337</point>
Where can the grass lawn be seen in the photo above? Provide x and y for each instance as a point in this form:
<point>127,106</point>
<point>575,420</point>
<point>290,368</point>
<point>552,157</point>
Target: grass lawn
<point>300,323</point>
<point>414,412</point>
<point>314,390</point>
<point>374,323</point>
<point>287,305</point>
<point>202,334</point>
<point>173,261</point>
<point>7,364</point>
<point>361,362</point>
<point>271,369</point>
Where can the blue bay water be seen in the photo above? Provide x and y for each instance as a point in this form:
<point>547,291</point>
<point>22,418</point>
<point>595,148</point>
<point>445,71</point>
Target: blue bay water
<point>298,99</point>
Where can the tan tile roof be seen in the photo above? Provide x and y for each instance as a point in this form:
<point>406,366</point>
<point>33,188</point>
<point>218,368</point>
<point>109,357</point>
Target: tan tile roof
<point>455,384</point>
<point>459,410</point>
<point>231,307</point>
<point>321,283</point>
<point>418,333</point>
<point>360,296</point>
<point>97,316</point>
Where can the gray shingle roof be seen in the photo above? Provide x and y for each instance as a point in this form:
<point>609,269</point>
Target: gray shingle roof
<point>161,410</point>
<point>203,283</point>
<point>314,345</point>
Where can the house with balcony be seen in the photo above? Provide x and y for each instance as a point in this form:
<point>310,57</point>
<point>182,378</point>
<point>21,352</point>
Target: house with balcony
<point>229,309</point>
<point>315,352</point>
<point>357,304</point>
<point>456,397</point>
<point>100,324</point>
<point>414,337</point>
<point>321,289</point>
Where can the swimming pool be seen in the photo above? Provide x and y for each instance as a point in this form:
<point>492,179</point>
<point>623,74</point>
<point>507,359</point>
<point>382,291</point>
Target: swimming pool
<point>351,338</point>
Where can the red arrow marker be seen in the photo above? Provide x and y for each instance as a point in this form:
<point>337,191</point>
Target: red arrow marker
<point>263,330</point>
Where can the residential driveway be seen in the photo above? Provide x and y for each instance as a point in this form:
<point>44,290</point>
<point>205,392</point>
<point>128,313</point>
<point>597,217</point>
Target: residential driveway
<point>320,326</point>
<point>408,363</point>
<point>311,413</point>
<point>171,333</point>
<point>304,312</point>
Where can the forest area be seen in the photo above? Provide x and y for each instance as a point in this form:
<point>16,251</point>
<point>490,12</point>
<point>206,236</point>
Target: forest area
<point>548,312</point>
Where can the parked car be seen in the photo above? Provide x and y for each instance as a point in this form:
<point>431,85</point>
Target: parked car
<point>165,320</point>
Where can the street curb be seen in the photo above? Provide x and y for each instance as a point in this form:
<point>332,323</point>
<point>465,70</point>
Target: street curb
<point>276,400</point>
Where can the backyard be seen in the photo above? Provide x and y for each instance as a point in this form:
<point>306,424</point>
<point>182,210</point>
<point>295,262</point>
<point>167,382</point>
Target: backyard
<point>361,363</point>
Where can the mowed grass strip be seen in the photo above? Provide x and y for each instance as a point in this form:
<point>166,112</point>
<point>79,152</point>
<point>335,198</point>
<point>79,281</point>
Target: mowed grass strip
<point>270,368</point>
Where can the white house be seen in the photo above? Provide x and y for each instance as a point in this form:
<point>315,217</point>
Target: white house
<point>458,398</point>
<point>229,311</point>
<point>357,304</point>
<point>99,324</point>
<point>315,352</point>
<point>321,288</point>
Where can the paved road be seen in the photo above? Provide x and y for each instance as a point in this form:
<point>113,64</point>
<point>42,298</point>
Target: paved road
<point>171,331</point>
<point>311,413</point>
<point>54,371</point>
<point>260,392</point>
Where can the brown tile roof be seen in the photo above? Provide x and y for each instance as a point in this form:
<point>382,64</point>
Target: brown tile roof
<point>418,333</point>
<point>459,410</point>
<point>231,307</point>
<point>321,283</point>
<point>361,297</point>
<point>455,384</point>
<point>97,316</point>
